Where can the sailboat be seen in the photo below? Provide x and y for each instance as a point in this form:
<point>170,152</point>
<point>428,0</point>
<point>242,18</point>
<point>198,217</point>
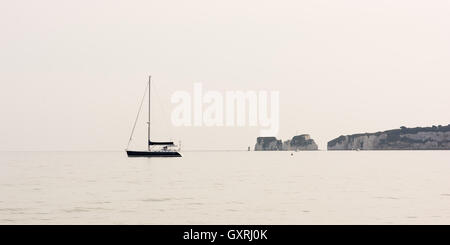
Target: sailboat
<point>155,149</point>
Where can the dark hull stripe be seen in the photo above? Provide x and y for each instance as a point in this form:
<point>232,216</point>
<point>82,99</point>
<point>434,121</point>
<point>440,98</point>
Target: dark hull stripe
<point>152,154</point>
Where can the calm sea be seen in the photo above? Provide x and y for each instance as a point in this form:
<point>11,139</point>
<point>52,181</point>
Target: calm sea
<point>373,187</point>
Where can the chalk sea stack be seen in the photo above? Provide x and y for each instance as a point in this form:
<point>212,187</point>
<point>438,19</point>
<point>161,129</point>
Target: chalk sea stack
<point>268,144</point>
<point>300,143</point>
<point>297,143</point>
<point>419,138</point>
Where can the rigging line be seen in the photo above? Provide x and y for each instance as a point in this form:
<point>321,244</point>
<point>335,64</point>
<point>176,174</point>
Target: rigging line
<point>137,116</point>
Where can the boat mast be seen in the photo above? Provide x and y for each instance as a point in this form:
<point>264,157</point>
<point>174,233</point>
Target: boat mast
<point>148,141</point>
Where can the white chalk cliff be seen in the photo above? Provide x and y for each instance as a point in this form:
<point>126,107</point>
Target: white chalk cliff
<point>428,138</point>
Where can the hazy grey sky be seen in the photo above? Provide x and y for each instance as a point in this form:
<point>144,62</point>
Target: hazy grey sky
<point>72,72</point>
